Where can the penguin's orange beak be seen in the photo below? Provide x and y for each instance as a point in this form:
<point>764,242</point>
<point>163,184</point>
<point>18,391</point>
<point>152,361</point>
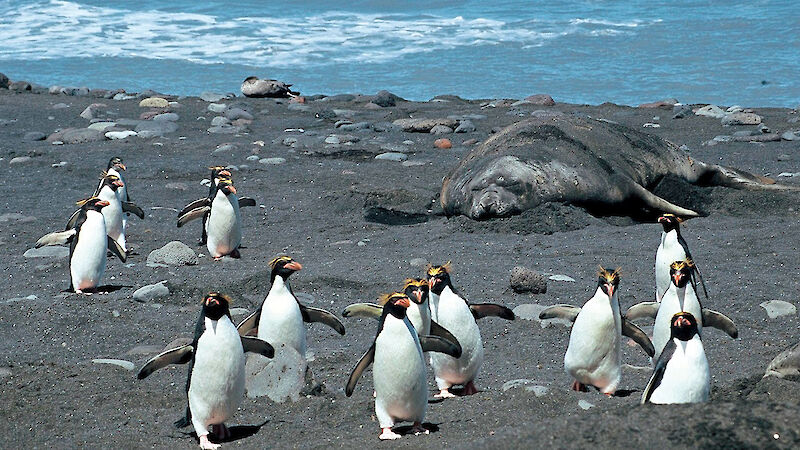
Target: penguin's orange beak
<point>677,278</point>
<point>122,166</point>
<point>610,289</point>
<point>294,265</point>
<point>118,183</point>
<point>432,282</point>
<point>681,322</point>
<point>418,295</point>
<point>224,173</point>
<point>662,219</point>
<point>232,189</point>
<point>212,301</point>
<point>103,203</point>
<point>404,302</point>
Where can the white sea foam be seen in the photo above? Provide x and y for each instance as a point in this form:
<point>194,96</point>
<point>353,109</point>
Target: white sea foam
<point>59,28</point>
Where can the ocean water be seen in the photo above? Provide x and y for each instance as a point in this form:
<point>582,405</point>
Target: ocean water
<point>627,52</point>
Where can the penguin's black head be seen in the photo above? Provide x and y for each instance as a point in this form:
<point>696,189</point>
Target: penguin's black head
<point>683,326</point>
<point>216,305</point>
<point>395,304</point>
<point>92,204</point>
<point>608,281</point>
<point>219,172</point>
<point>416,289</point>
<point>670,222</point>
<point>284,266</point>
<point>116,163</point>
<point>226,186</point>
<point>112,181</point>
<point>438,278</point>
<point>681,272</point>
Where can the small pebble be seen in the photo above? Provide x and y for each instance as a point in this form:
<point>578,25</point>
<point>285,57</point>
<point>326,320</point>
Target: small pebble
<point>442,143</point>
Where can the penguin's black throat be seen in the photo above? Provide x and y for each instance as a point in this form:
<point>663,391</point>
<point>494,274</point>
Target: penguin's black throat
<point>684,326</point>
<point>215,307</point>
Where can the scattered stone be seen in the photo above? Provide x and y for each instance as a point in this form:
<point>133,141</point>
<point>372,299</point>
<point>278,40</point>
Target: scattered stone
<point>220,121</point>
<point>90,112</point>
<point>423,125</point>
<point>734,109</point>
<point>561,278</point>
<point>249,158</point>
<point>778,308</point>
<point>20,299</point>
<point>540,100</point>
<point>222,148</point>
<point>154,102</point>
<point>177,186</point>
<point>169,117</point>
<point>119,96</point>
<point>237,113</point>
<point>60,106</point>
<point>20,86</point>
<point>332,139</point>
<point>525,280</point>
<point>82,136</point>
<point>443,143</point>
<point>148,129</point>
<point>127,365</point>
<point>19,160</point>
<point>711,111</point>
<point>470,142</point>
<point>100,126</point>
<point>272,161</point>
<point>116,135</point>
<point>386,99</point>
<point>786,363</point>
<point>3,81</point>
<point>466,126</point>
<point>681,111</point>
<point>741,118</point>
<point>418,262</point>
<point>787,136</point>
<point>528,385</point>
<point>770,137</point>
<point>651,125</point>
<point>298,107</point>
<point>212,96</point>
<point>392,156</point>
<point>414,163</point>
<point>530,311</point>
<point>280,378</point>
<point>341,98</point>
<point>584,405</point>
<point>175,253</point>
<point>666,104</point>
<point>355,126</point>
<point>217,107</point>
<point>441,129</point>
<point>151,291</point>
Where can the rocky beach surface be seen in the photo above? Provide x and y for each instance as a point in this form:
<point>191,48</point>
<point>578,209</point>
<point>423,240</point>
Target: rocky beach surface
<point>349,186</point>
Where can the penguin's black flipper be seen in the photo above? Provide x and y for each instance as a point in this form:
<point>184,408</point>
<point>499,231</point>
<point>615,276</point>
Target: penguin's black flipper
<point>194,205</point>
<point>642,310</point>
<point>192,215</point>
<point>363,310</point>
<point>179,355</point>
<point>719,321</point>
<point>73,219</point>
<point>658,371</point>
<point>115,248</point>
<point>481,310</point>
<point>256,345</point>
<point>246,201</point>
<point>133,208</point>
<point>320,315</point>
<point>249,323</point>
<point>442,332</point>
<point>362,364</point>
<point>567,312</point>
<point>440,345</point>
<point>632,331</point>
<point>56,238</point>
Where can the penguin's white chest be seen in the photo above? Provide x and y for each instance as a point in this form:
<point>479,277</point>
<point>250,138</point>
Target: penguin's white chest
<point>420,317</point>
<point>88,260</point>
<point>281,320</point>
<point>451,311</point>
<point>669,251</point>
<point>223,226</point>
<point>674,301</point>
<point>113,215</point>
<point>399,374</point>
<point>687,378</point>
<point>217,382</point>
<point>593,354</point>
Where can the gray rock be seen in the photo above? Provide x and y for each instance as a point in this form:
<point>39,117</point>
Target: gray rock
<point>787,136</point>
<point>778,308</point>
<point>298,107</point>
<point>253,158</point>
<point>466,126</point>
<point>19,160</point>
<point>21,299</point>
<point>681,111</point>
<point>101,126</point>
<point>272,161</point>
<point>127,365</point>
<point>168,117</point>
<point>220,121</point>
<point>527,385</point>
<point>82,136</point>
<point>281,378</point>
<point>152,129</point>
<point>117,135</point>
<point>530,311</point>
<point>441,129</point>
<point>386,99</point>
<point>212,96</point>
<point>122,96</point>
<point>3,81</point>
<point>741,118</point>
<point>392,156</point>
<point>333,140</point>
<point>217,107</point>
<point>561,278</point>
<point>527,280</point>
<point>540,100</point>
<point>177,186</point>
<point>16,217</point>
<point>414,163</point>
<point>223,148</point>
<point>423,125</point>
<point>711,111</point>
<point>225,129</point>
<point>47,252</point>
<point>584,405</point>
<point>418,262</point>
<point>358,126</point>
<point>341,98</point>
<point>238,113</point>
<point>20,86</point>
<point>175,253</point>
<point>786,363</point>
<point>151,291</point>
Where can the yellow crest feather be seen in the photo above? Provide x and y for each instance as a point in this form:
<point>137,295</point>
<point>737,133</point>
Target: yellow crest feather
<point>386,298</point>
<point>278,259</point>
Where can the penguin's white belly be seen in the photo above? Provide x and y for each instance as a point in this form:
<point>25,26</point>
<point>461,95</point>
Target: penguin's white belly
<point>223,226</point>
<point>672,303</point>
<point>686,378</point>
<point>420,317</point>
<point>217,383</point>
<point>88,261</point>
<point>454,315</point>
<point>593,354</point>
<point>113,216</point>
<point>669,251</point>
<point>399,374</point>
<point>282,323</point>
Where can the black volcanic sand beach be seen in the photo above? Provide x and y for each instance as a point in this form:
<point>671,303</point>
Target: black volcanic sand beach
<point>359,226</point>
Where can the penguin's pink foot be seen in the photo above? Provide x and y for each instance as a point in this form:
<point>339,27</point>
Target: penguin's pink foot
<point>217,258</point>
<point>470,389</point>
<point>580,387</point>
<point>388,435</point>
<point>205,444</point>
<point>418,429</point>
<point>445,393</point>
<point>221,431</point>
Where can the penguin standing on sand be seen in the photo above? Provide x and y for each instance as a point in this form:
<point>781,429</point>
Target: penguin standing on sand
<point>221,221</point>
<point>280,318</point>
<point>399,372</point>
<point>216,381</point>
<point>593,356</point>
<point>681,374</point>
<point>452,312</point>
<point>672,248</point>
<point>88,244</point>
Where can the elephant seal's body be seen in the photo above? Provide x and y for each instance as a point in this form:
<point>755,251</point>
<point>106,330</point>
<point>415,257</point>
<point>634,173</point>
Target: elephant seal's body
<point>600,165</point>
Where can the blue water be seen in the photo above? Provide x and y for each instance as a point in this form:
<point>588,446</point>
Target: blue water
<point>722,52</point>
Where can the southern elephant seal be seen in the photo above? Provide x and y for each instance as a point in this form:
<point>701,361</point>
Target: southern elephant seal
<point>602,166</point>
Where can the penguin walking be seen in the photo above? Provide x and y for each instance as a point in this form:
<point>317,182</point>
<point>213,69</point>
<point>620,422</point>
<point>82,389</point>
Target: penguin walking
<point>279,319</point>
<point>89,243</point>
<point>593,355</point>
<point>399,371</point>
<point>673,247</point>
<point>116,167</point>
<point>681,374</point>
<point>216,381</point>
<point>455,314</point>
